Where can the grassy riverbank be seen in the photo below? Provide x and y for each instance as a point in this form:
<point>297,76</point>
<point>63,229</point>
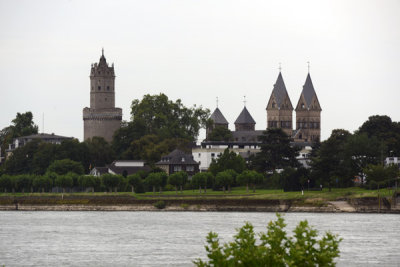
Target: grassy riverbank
<point>236,193</point>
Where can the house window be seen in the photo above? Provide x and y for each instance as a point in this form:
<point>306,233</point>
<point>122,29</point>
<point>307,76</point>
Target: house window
<point>199,155</point>
<point>177,168</point>
<point>189,168</point>
<point>212,155</point>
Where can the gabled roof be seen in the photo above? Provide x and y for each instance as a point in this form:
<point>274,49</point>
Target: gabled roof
<point>308,93</point>
<point>279,92</point>
<point>177,157</point>
<point>245,117</point>
<point>218,118</point>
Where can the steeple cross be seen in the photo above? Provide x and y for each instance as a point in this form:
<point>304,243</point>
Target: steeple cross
<point>280,67</point>
<point>102,51</point>
<point>217,101</point>
<point>244,100</point>
<point>308,63</point>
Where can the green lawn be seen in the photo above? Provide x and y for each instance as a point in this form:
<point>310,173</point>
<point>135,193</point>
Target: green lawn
<point>237,192</point>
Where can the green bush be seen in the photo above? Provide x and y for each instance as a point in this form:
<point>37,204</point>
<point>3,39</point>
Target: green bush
<point>160,205</point>
<point>6,183</point>
<point>275,248</point>
<point>42,183</point>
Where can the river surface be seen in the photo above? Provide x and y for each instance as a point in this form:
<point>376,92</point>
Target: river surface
<point>52,238</point>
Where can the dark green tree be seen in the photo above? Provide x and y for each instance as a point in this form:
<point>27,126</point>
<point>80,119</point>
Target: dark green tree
<point>158,116</point>
<point>202,180</point>
<point>76,151</point>
<point>276,152</point>
<point>135,181</point>
<point>152,147</point>
<point>64,166</point>
<point>220,133</point>
<point>178,179</point>
<point>379,175</point>
<point>43,157</point>
<point>87,181</point>
<point>250,177</point>
<point>100,152</point>
<point>22,125</point>
<point>228,160</point>
<point>110,181</point>
<point>21,161</point>
<point>154,180</point>
<point>6,183</point>
<point>64,181</point>
<point>42,183</point>
<point>224,180</point>
<point>330,160</point>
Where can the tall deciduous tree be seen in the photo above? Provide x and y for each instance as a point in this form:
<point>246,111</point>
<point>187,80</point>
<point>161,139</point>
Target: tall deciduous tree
<point>65,166</point>
<point>100,152</point>
<point>250,177</point>
<point>276,152</point>
<point>159,116</point>
<point>329,161</point>
<point>228,160</point>
<point>224,180</point>
<point>134,180</point>
<point>22,125</point>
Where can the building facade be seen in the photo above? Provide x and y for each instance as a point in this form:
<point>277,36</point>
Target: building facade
<point>177,161</point>
<point>308,112</point>
<point>102,118</point>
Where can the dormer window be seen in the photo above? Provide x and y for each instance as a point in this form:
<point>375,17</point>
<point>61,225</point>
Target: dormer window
<point>183,159</point>
<point>302,105</point>
<point>273,104</point>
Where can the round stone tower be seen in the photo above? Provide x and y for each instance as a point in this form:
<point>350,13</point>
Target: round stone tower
<point>102,118</point>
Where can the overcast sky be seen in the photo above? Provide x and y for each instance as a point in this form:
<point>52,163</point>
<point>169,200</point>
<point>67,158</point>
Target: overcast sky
<point>197,51</point>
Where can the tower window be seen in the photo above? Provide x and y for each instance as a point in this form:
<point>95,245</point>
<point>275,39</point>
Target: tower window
<point>105,99</point>
<point>108,88</point>
<point>99,88</point>
<point>92,88</point>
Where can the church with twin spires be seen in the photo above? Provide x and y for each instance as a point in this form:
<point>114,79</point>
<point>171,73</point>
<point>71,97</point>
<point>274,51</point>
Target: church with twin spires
<point>279,115</point>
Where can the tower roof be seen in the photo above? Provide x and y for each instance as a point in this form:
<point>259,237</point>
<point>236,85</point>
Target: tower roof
<point>279,91</point>
<point>245,117</point>
<point>308,91</point>
<point>218,118</point>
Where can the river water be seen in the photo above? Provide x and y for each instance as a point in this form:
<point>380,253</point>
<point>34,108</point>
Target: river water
<point>51,238</point>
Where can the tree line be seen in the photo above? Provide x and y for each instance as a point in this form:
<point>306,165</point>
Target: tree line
<point>158,125</point>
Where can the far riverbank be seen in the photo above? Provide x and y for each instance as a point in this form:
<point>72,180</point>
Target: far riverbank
<point>87,202</point>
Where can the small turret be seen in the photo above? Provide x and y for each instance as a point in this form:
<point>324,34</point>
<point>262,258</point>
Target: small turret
<point>245,121</point>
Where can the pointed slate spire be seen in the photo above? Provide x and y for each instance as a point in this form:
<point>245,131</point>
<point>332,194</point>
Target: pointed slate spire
<point>218,117</point>
<point>245,117</point>
<point>308,91</point>
<point>279,93</point>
